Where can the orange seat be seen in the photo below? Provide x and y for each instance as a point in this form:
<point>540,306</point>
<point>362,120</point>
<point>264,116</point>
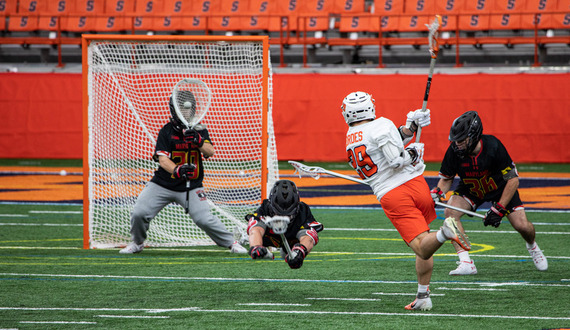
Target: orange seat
<point>258,18</point>
<point>473,22</point>
<point>229,15</point>
<point>56,11</point>
<point>283,15</point>
<point>447,9</point>
<point>389,7</point>
<point>419,7</point>
<point>414,23</point>
<point>314,15</point>
<point>359,23</point>
<point>8,7</point>
<point>508,6</point>
<point>147,11</point>
<point>348,7</point>
<point>171,17</point>
<point>562,20</point>
<point>116,19</point>
<point>27,18</point>
<point>505,22</point>
<point>535,13</point>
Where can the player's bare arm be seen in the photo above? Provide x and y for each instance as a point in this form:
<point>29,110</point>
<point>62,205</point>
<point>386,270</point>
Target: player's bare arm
<point>207,149</point>
<point>509,192</point>
<point>166,163</point>
<point>445,185</point>
<point>256,236</point>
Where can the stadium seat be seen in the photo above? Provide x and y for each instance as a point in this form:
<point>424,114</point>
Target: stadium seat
<point>359,23</point>
<point>505,21</point>
<point>314,15</point>
<point>229,16</point>
<point>146,12</point>
<point>561,20</point>
<point>53,18</point>
<point>348,7</point>
<point>27,18</point>
<point>258,15</point>
<point>115,19</point>
<point>7,8</point>
<point>389,9</point>
<point>171,18</point>
<point>283,15</point>
<point>448,9</point>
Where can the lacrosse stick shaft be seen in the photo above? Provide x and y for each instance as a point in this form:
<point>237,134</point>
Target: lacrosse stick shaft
<point>187,196</point>
<point>474,214</point>
<point>342,176</point>
<point>426,94</point>
<point>286,244</point>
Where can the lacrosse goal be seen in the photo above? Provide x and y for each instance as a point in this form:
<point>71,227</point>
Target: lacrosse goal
<point>127,81</point>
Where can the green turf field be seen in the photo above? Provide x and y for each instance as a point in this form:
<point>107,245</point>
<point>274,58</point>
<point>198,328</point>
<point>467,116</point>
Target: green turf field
<point>360,276</point>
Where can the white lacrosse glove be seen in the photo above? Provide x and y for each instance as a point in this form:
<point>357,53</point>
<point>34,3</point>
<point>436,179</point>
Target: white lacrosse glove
<point>418,118</point>
<point>416,151</point>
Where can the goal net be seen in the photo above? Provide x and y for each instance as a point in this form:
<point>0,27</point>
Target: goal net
<point>127,84</point>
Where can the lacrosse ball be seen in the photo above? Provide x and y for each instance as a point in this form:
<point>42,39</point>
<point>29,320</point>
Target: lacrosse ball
<point>187,105</point>
<point>63,172</point>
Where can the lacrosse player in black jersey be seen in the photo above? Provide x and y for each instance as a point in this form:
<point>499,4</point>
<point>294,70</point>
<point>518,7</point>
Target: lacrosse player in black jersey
<point>487,174</point>
<point>302,230</point>
<point>178,179</point>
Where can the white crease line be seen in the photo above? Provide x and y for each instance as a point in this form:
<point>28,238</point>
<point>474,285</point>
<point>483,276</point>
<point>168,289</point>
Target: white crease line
<point>406,294</point>
<point>302,312</point>
<point>134,316</point>
<point>57,212</point>
<point>347,299</point>
<point>271,304</point>
<point>293,280</point>
<point>41,224</point>
<point>57,322</point>
<point>470,289</point>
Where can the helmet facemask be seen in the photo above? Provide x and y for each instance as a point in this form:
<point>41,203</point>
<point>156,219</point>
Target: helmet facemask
<point>187,106</point>
<point>468,129</point>
<point>358,106</point>
<point>284,199</point>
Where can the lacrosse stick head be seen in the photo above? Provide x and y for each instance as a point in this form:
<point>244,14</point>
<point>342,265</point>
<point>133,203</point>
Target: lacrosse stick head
<point>302,169</point>
<point>434,29</point>
<point>189,102</point>
<point>278,223</point>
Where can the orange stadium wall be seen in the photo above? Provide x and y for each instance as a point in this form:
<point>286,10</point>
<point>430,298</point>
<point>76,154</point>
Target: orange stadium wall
<point>41,114</point>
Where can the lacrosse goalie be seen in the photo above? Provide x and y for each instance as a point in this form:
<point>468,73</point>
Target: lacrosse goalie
<point>178,178</point>
<point>283,221</point>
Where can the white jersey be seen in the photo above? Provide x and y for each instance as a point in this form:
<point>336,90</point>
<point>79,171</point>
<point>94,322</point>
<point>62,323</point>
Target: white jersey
<point>364,147</point>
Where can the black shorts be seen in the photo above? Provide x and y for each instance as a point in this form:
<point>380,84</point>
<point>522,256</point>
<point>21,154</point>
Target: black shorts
<point>475,202</point>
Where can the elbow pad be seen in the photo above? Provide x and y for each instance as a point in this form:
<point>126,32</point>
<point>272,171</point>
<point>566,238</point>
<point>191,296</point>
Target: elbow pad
<point>395,156</point>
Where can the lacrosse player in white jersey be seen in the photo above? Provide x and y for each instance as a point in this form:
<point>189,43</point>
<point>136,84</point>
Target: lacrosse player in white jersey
<point>375,149</point>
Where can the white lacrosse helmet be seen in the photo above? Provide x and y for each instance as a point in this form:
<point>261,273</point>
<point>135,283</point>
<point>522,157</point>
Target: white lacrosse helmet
<point>358,106</point>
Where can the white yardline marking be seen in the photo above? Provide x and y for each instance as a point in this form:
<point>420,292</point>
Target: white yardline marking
<point>271,304</point>
<point>406,294</point>
<point>347,299</point>
<point>41,224</point>
<point>57,212</point>
<point>298,280</point>
<point>14,215</point>
<point>470,231</point>
<point>197,309</point>
<point>57,322</point>
<point>470,289</point>
<point>134,316</point>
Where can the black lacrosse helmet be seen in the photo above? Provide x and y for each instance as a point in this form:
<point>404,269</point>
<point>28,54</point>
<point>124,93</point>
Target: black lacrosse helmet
<point>284,198</point>
<point>183,96</point>
<point>468,125</point>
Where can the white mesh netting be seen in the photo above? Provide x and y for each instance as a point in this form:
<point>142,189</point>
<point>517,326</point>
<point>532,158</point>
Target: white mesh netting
<point>129,84</point>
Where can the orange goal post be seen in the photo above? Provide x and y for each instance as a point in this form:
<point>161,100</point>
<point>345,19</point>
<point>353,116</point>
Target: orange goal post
<point>127,82</point>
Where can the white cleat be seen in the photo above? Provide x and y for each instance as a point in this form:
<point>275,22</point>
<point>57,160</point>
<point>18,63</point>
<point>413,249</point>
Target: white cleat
<point>422,303</point>
<point>464,268</point>
<point>539,259</point>
<point>237,248</point>
<point>132,248</point>
<point>450,231</point>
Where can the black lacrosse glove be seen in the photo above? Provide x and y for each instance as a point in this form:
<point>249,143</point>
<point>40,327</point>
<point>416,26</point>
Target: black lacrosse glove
<point>194,138</point>
<point>494,215</point>
<point>257,252</point>
<point>297,260</point>
<point>184,172</point>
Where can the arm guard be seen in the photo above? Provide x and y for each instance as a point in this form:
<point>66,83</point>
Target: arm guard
<point>405,138</point>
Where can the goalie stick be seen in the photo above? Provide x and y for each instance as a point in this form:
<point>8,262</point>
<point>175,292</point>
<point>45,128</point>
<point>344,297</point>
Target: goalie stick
<point>315,172</point>
<point>191,108</point>
<point>434,29</point>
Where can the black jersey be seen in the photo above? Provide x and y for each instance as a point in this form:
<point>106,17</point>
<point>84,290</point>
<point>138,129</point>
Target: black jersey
<point>481,175</point>
<point>304,219</point>
<point>170,143</point>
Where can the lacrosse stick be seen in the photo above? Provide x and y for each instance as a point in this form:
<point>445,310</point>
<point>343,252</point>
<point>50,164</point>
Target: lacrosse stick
<point>279,225</point>
<point>315,172</point>
<point>434,29</point>
<point>191,99</point>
